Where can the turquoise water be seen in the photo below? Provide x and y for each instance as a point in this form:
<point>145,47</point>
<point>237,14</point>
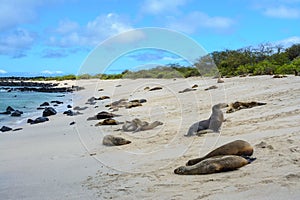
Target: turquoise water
<point>28,102</point>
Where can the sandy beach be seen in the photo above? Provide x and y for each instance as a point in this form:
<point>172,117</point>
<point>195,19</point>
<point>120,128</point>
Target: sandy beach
<point>55,160</point>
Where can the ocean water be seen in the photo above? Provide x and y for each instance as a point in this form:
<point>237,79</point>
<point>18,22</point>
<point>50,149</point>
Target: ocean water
<point>28,102</point>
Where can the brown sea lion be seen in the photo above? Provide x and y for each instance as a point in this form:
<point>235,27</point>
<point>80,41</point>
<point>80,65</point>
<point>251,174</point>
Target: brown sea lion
<point>108,122</point>
<point>103,97</point>
<point>110,140</point>
<point>214,122</point>
<point>238,105</point>
<point>132,104</point>
<point>237,147</point>
<point>214,165</point>
<point>155,88</point>
<point>187,90</point>
<point>211,88</point>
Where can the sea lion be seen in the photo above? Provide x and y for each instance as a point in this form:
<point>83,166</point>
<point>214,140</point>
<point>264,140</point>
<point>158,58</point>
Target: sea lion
<point>237,147</point>
<point>211,88</point>
<point>238,105</point>
<point>213,123</point>
<point>150,126</point>
<point>108,122</point>
<point>133,125</point>
<point>103,98</point>
<point>110,140</point>
<point>138,125</point>
<point>132,104</point>
<point>220,80</point>
<point>155,88</point>
<point>214,165</point>
<point>217,117</point>
<point>187,90</point>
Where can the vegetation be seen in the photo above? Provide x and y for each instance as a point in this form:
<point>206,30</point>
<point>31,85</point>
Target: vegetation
<point>266,59</point>
<point>262,60</point>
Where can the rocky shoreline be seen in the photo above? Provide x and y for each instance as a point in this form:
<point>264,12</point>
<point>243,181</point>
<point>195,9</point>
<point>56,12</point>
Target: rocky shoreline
<point>30,86</point>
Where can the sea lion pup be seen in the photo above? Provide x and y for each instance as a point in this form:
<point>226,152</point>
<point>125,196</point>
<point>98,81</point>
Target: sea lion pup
<point>212,124</point>
<point>110,140</point>
<point>237,147</point>
<point>214,165</point>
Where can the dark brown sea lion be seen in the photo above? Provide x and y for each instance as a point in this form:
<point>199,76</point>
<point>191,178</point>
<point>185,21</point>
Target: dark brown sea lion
<point>214,122</point>
<point>155,88</point>
<point>187,90</point>
<point>214,165</point>
<point>211,88</point>
<point>238,105</point>
<point>237,147</point>
<point>110,140</point>
<point>108,122</point>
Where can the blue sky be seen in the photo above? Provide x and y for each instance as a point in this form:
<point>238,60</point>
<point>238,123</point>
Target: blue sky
<point>56,36</point>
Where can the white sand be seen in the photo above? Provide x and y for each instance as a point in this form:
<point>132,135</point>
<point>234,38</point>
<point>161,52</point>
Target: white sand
<point>51,160</point>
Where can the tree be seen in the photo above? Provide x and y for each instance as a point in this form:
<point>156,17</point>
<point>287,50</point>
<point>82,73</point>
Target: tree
<point>293,51</point>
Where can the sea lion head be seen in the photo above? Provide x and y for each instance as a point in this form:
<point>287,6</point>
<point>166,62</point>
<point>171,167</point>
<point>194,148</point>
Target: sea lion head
<point>220,106</point>
<point>180,170</point>
<point>120,141</point>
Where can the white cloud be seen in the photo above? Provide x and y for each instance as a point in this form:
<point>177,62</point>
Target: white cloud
<point>16,12</point>
<point>282,12</point>
<point>287,42</point>
<point>51,72</point>
<point>195,20</point>
<point>2,71</point>
<point>95,31</point>
<point>67,26</point>
<point>161,6</point>
<point>16,43</point>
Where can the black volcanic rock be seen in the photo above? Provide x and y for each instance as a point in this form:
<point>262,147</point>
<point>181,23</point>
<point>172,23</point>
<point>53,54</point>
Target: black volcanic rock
<point>17,129</point>
<point>69,113</point>
<point>9,109</point>
<point>45,104</point>
<point>16,113</point>
<point>38,120</point>
<point>5,128</point>
<point>49,111</point>
<point>5,113</point>
<point>57,102</point>
<point>69,106</point>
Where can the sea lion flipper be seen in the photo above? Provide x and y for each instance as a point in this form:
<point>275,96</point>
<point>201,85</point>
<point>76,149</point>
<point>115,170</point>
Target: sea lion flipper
<point>249,159</point>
